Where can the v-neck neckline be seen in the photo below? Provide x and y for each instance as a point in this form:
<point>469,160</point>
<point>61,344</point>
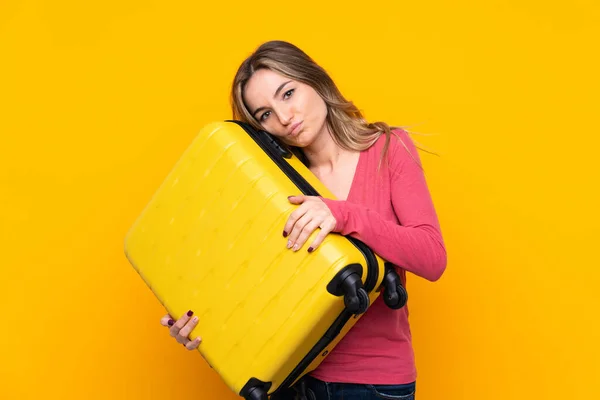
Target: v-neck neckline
<point>357,170</point>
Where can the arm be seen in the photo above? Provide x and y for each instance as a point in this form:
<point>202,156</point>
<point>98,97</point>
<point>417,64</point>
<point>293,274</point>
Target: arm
<point>416,243</point>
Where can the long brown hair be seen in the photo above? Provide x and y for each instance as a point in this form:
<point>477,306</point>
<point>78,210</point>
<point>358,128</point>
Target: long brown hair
<point>348,127</point>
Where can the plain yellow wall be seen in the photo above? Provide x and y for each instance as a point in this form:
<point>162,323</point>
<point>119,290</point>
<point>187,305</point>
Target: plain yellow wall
<point>99,98</point>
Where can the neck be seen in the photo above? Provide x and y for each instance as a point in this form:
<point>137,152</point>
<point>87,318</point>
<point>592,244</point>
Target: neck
<point>324,153</point>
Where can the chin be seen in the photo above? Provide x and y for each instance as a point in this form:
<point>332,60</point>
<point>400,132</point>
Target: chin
<point>302,141</point>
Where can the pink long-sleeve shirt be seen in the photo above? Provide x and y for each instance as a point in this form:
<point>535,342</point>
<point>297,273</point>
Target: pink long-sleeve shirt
<point>391,211</point>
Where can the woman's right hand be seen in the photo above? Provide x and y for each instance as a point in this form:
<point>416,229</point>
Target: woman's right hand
<point>182,328</point>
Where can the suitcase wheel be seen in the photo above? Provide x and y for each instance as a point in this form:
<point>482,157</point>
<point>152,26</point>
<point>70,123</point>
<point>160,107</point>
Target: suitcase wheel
<point>356,298</point>
<point>256,393</point>
<point>255,389</point>
<point>348,283</point>
<point>360,303</point>
<point>394,294</point>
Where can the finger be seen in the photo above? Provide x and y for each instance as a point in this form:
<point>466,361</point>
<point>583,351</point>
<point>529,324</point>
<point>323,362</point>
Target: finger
<point>293,219</point>
<point>297,231</point>
<point>308,229</point>
<point>180,324</point>
<point>326,228</point>
<point>193,344</point>
<point>187,328</point>
<point>167,320</point>
<point>297,199</point>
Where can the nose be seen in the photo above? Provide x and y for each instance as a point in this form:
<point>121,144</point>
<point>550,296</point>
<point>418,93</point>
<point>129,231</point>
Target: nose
<point>285,115</point>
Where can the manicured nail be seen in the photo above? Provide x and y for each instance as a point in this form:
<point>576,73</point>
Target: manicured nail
<point>296,247</point>
<point>285,234</point>
<point>289,245</point>
<point>310,249</point>
<point>171,322</point>
<point>189,313</point>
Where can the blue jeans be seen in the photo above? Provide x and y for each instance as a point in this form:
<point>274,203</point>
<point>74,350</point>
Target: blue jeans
<point>314,389</point>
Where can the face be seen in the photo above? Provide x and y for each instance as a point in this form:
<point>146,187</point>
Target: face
<point>288,109</point>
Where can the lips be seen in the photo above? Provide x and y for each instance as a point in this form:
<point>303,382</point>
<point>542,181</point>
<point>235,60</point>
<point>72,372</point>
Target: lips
<point>295,128</point>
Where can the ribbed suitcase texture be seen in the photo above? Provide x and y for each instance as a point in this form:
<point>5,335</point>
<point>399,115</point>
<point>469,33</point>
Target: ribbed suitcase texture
<point>210,240</point>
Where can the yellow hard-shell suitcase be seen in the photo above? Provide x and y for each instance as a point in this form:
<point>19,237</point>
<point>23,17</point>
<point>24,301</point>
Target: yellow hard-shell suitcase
<point>210,240</point>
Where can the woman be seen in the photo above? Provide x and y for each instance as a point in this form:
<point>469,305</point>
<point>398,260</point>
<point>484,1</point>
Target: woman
<point>382,199</point>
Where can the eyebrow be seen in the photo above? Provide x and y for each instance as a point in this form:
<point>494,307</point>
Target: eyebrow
<point>275,95</point>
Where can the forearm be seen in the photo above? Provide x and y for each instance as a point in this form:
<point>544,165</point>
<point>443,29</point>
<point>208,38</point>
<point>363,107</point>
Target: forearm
<point>418,248</point>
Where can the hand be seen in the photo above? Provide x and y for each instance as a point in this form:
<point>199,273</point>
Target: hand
<point>182,328</point>
<point>312,213</point>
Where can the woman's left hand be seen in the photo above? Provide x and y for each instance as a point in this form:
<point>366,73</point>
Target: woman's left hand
<point>312,213</point>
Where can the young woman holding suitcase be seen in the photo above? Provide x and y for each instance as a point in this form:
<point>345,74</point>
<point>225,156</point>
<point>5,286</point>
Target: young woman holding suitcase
<point>382,198</point>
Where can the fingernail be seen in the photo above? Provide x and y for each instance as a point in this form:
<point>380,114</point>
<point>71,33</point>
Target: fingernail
<point>285,234</point>
<point>289,244</point>
<point>296,247</point>
<point>171,322</point>
<point>189,313</point>
<point>310,249</point>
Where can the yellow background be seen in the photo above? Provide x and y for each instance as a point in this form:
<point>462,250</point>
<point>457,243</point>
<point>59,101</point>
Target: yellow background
<point>99,98</point>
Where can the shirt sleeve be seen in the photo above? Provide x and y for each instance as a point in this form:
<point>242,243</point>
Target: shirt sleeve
<point>416,243</point>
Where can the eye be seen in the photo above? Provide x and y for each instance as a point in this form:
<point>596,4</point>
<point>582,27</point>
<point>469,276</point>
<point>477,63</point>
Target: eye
<point>264,115</point>
<point>288,93</point>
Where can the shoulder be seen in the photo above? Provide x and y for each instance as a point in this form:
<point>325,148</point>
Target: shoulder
<point>400,148</point>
